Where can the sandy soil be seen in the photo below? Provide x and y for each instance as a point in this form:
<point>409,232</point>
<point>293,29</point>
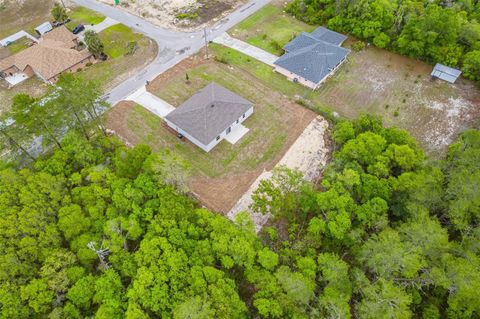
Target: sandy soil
<point>401,91</point>
<point>309,154</point>
<point>166,13</point>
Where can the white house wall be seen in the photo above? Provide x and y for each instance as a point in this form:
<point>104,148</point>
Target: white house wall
<point>291,76</point>
<point>212,144</point>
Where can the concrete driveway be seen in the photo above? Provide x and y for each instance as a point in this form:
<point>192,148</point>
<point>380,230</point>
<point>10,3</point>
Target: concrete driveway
<point>151,102</point>
<point>108,22</point>
<point>245,48</point>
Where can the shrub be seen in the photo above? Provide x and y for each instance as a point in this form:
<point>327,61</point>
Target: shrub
<point>131,47</point>
<point>358,46</point>
<point>88,64</point>
<point>275,45</point>
<point>79,69</point>
<point>221,59</point>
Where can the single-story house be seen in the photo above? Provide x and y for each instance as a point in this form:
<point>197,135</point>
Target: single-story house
<point>208,116</point>
<point>54,54</point>
<point>43,28</point>
<point>445,73</point>
<point>311,57</point>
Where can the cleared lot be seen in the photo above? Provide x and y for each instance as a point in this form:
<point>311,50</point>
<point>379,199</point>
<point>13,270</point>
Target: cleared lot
<point>375,81</point>
<point>179,14</point>
<point>221,176</point>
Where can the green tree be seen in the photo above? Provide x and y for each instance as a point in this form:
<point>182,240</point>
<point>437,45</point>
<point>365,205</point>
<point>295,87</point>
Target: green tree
<point>94,43</point>
<point>59,13</point>
<point>383,300</point>
<point>471,65</point>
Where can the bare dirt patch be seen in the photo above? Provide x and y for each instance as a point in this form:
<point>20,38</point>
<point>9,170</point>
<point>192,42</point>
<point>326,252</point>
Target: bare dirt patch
<point>180,14</point>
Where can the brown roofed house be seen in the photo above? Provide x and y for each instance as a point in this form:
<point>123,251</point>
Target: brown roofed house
<point>55,53</point>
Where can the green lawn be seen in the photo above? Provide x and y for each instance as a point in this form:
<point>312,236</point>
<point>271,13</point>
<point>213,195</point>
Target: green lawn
<point>19,45</point>
<point>375,81</point>
<point>270,125</point>
<point>269,28</point>
<point>119,40</point>
<point>263,72</point>
<point>126,50</point>
<point>82,15</point>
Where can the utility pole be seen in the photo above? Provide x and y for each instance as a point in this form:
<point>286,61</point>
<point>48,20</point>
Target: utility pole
<point>64,5</point>
<point>206,42</point>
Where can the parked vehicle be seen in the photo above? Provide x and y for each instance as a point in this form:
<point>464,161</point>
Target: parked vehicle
<point>79,28</point>
<point>60,23</point>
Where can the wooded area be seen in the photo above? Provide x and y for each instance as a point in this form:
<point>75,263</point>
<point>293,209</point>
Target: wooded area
<point>95,229</point>
<point>440,31</point>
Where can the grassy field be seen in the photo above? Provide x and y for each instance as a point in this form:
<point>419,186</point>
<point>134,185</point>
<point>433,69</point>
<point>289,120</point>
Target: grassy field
<point>16,15</point>
<point>375,81</point>
<point>82,15</point>
<point>119,40</point>
<point>269,28</point>
<point>221,176</point>
<point>126,50</point>
<point>267,126</point>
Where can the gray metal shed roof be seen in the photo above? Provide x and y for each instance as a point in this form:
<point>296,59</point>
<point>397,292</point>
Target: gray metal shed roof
<point>44,28</point>
<point>327,35</point>
<point>446,73</point>
<point>313,62</point>
<point>209,112</point>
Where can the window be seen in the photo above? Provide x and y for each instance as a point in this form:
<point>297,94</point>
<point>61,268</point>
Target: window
<point>243,115</point>
<point>218,137</point>
<point>238,121</point>
<point>229,130</point>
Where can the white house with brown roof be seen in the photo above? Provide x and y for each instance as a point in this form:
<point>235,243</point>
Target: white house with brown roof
<point>54,54</point>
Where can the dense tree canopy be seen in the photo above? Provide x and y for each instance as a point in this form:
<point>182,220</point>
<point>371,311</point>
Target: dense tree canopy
<point>388,235</point>
<point>447,32</point>
<point>98,230</point>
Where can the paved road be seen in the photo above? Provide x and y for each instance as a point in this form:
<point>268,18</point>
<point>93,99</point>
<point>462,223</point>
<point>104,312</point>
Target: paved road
<point>173,46</point>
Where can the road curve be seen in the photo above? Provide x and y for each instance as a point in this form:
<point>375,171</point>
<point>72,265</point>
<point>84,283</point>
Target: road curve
<point>173,46</point>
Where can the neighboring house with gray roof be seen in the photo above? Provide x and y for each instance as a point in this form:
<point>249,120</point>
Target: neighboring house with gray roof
<point>209,115</point>
<point>311,57</point>
<point>445,73</point>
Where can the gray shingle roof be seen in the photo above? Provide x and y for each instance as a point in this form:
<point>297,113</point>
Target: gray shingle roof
<point>329,36</point>
<point>313,56</point>
<point>209,112</point>
<point>313,62</point>
<point>301,41</point>
<point>446,73</point>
